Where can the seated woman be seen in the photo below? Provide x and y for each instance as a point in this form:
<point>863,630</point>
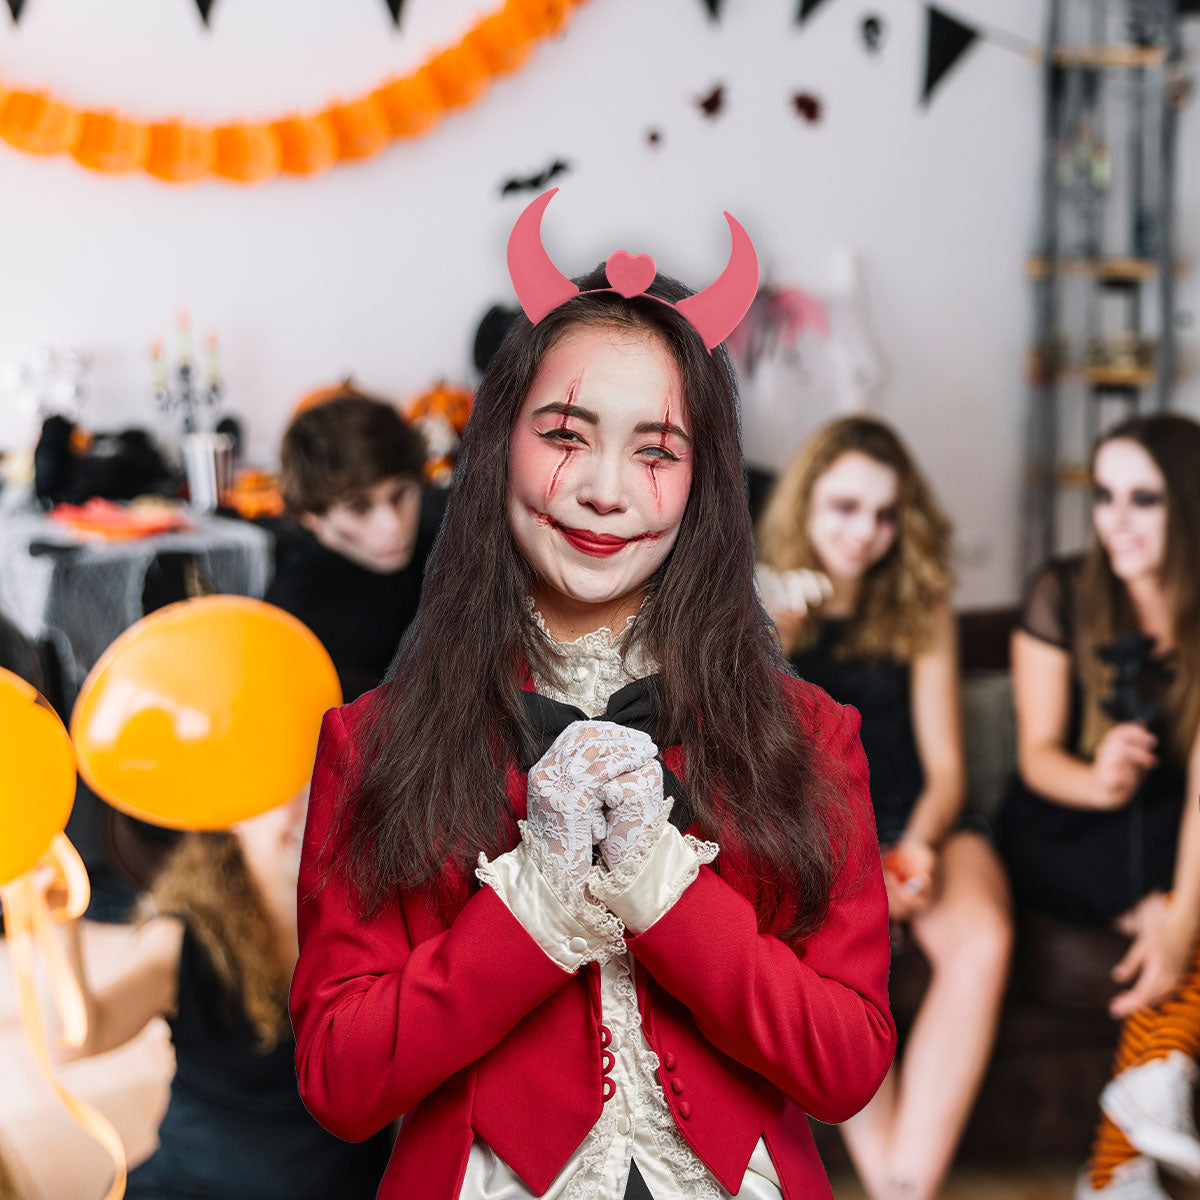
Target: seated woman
<point>1102,824</point>
<point>216,961</point>
<point>854,507</point>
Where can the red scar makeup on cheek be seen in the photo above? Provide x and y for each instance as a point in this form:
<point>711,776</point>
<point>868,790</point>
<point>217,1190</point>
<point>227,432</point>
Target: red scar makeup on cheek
<point>662,444</point>
<point>572,393</point>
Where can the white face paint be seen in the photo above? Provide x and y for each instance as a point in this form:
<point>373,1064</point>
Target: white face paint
<point>377,529</point>
<point>1129,509</point>
<point>852,516</point>
<point>599,468</point>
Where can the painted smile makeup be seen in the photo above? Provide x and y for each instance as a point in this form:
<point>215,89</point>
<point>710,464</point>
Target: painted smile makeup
<point>587,541</point>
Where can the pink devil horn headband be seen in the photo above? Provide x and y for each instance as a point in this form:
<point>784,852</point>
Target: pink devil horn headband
<point>714,313</point>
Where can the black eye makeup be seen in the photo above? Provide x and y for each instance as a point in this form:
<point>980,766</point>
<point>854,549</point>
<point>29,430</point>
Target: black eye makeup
<point>1101,495</point>
<point>1146,498</point>
<point>560,434</point>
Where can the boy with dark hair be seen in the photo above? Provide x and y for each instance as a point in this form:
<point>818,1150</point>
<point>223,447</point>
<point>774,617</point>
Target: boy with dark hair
<point>351,468</point>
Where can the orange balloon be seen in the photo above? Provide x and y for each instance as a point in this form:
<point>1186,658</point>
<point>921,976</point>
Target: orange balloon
<point>38,788</point>
<point>204,713</point>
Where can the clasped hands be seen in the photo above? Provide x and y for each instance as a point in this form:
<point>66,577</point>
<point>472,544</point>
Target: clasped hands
<point>598,784</point>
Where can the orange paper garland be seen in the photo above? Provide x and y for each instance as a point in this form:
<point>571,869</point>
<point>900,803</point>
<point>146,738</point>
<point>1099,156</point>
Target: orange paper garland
<point>180,152</point>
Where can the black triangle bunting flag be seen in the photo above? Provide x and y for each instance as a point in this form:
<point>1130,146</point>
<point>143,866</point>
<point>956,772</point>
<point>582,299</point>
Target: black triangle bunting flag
<point>948,39</point>
<point>14,7</point>
<point>806,10</point>
<point>394,7</point>
<point>714,9</point>
<point>205,7</point>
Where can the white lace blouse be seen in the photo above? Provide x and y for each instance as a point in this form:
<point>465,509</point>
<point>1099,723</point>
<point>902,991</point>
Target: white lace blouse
<point>636,1123</point>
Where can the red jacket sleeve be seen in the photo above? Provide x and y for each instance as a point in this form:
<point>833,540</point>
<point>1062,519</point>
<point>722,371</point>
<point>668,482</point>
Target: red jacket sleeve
<point>812,1018</point>
<point>380,1021</point>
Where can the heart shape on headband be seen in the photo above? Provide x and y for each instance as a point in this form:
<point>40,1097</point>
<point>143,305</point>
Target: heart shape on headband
<point>630,274</point>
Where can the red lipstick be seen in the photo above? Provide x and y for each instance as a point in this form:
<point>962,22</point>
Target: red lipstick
<point>598,545</point>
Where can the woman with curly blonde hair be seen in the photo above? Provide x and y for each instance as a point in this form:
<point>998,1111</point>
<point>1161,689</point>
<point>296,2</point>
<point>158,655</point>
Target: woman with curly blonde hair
<point>853,513</point>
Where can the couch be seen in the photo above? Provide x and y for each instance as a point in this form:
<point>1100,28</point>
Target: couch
<point>1056,1041</point>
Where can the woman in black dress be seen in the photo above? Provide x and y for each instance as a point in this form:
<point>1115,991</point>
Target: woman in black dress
<point>1102,826</point>
<point>854,508</point>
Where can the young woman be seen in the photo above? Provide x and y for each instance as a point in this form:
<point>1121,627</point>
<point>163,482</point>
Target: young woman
<point>215,961</point>
<point>655,1019</point>
<point>1103,824</point>
<point>854,507</point>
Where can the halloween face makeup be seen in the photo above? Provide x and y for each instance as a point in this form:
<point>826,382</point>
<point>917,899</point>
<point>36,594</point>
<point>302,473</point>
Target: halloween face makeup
<point>377,529</point>
<point>599,466</point>
<point>1129,509</point>
<point>852,515</point>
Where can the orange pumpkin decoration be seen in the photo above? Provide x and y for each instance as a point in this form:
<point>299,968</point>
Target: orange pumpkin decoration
<point>542,16</point>
<point>180,153</point>
<point>411,105</point>
<point>361,126</point>
<point>503,41</point>
<point>444,400</point>
<point>321,394</point>
<point>109,143</point>
<point>247,153</point>
<point>255,493</point>
<point>441,415</point>
<point>33,122</point>
<point>307,145</point>
<point>459,75</point>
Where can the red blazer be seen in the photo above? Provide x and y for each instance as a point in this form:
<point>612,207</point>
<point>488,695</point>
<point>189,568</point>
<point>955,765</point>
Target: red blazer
<point>468,1028</point>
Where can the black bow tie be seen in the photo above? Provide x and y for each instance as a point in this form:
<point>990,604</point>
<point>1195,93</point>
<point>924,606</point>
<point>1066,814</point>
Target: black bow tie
<point>635,706</point>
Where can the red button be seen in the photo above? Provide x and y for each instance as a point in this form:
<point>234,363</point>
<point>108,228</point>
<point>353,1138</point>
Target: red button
<point>669,1061</point>
<point>685,1109</point>
<point>676,1086</point>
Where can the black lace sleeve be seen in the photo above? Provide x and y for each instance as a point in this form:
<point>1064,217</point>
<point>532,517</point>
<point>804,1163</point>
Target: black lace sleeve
<point>1049,608</point>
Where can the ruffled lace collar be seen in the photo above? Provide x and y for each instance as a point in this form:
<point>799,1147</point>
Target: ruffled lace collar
<point>591,667</point>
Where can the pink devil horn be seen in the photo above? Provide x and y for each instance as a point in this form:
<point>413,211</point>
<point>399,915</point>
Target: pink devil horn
<point>715,312</point>
<point>539,284</point>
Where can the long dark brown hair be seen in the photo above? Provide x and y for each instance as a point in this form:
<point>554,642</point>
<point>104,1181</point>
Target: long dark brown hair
<point>1173,442</point>
<point>430,788</point>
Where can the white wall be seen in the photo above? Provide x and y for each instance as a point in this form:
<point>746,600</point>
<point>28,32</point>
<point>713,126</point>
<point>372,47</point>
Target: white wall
<point>384,268</point>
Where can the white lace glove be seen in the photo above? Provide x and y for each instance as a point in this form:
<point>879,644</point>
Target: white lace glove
<point>634,808</point>
<point>564,816</point>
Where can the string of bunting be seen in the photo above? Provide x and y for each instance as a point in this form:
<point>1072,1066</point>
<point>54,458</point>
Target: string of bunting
<point>947,38</point>
<point>204,7</point>
<point>301,145</point>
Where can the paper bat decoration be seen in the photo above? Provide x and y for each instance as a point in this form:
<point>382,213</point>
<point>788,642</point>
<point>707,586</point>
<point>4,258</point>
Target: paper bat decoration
<point>535,183</point>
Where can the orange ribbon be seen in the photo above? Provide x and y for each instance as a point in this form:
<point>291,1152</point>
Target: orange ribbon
<point>57,889</point>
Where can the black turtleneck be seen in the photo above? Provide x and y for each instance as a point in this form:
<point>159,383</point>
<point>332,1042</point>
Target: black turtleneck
<point>358,615</point>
